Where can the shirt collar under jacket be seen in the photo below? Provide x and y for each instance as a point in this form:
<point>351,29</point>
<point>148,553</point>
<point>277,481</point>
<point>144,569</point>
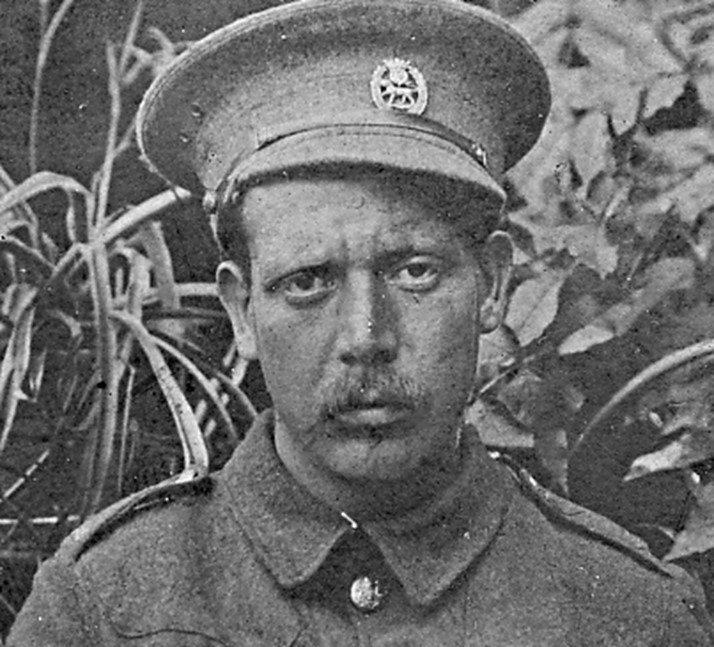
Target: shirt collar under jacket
<point>427,549</point>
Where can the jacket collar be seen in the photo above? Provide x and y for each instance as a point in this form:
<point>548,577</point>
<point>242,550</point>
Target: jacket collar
<point>427,549</point>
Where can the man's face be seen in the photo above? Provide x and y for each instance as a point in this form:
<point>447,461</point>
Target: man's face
<point>363,309</point>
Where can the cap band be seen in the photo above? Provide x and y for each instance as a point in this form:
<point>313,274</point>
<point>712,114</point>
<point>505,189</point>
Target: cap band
<point>270,135</point>
<point>395,130</point>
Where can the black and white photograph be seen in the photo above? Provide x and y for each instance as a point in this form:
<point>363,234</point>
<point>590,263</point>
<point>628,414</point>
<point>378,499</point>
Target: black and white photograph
<point>357,323</point>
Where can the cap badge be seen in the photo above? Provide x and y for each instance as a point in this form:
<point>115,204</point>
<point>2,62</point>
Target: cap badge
<point>399,85</point>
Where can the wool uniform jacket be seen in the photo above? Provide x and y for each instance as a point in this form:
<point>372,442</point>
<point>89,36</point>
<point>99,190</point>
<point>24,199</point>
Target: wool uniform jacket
<point>248,558</point>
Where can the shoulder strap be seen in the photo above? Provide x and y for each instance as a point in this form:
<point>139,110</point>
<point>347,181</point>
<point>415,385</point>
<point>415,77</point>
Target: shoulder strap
<point>584,520</point>
<point>103,522</point>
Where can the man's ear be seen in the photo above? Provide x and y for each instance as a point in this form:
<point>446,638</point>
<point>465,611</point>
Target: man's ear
<point>234,292</point>
<point>498,258</point>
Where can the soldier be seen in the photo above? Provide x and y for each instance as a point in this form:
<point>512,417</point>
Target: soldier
<point>353,153</point>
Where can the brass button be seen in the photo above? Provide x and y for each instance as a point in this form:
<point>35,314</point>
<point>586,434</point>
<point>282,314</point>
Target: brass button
<point>366,594</point>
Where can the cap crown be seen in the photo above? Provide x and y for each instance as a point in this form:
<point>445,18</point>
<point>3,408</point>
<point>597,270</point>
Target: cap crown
<point>349,69</point>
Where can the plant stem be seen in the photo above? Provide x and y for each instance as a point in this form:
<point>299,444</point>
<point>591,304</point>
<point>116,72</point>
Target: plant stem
<point>105,177</point>
<point>657,369</point>
<point>45,45</point>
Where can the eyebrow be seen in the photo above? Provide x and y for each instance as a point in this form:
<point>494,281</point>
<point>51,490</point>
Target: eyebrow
<point>444,249</point>
<point>382,259</point>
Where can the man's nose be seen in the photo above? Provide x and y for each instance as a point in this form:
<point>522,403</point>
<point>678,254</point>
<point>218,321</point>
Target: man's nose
<point>368,324</point>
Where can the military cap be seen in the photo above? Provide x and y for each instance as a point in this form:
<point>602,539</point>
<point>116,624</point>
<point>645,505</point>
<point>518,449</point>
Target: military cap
<point>434,86</point>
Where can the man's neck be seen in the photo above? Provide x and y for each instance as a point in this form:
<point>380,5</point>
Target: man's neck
<point>363,499</point>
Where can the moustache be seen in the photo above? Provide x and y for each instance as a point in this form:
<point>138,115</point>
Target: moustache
<point>369,389</point>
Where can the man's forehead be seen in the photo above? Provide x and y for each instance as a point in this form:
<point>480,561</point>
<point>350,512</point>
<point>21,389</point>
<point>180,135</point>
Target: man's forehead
<point>402,197</point>
<point>313,213</point>
<point>309,189</point>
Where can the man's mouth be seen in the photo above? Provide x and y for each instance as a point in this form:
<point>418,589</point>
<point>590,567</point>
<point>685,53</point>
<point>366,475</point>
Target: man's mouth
<point>371,413</point>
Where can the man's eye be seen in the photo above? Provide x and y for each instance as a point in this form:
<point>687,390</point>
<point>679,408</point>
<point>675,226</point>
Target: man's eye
<point>306,285</point>
<point>417,275</point>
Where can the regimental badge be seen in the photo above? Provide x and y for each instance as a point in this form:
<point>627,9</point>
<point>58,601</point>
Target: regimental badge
<point>399,85</point>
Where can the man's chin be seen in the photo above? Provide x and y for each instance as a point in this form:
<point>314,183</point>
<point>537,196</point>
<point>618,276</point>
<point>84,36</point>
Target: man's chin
<point>373,454</point>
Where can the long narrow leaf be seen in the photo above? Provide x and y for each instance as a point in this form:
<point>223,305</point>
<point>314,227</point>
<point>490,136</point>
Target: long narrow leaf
<point>27,254</point>
<point>106,352</point>
<point>196,289</point>
<point>238,364</point>
<point>141,213</point>
<point>39,183</point>
<point>703,351</point>
<point>129,40</point>
<point>158,252</point>
<point>14,366</point>
<point>21,212</point>
<point>232,386</point>
<point>104,177</point>
<point>207,385</point>
<point>25,476</point>
<point>124,430</point>
<point>194,449</point>
<point>45,45</point>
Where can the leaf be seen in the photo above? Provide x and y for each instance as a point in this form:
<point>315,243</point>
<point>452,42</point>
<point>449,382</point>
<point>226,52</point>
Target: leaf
<point>663,92</point>
<point>154,243</point>
<point>535,175</point>
<point>109,377</point>
<point>623,106</point>
<point>231,385</point>
<point>165,54</point>
<point>705,90</point>
<point>626,56</point>
<point>15,363</point>
<point>623,27</point>
<point>36,373</point>
<point>591,335</point>
<point>139,214</point>
<point>691,447</point>
<point>663,277</point>
<point>139,283</point>
<point>497,351</point>
<point>682,149</point>
<point>602,48</point>
<point>698,533</point>
<point>691,414</point>
<point>70,220</point>
<point>542,19</point>
<point>495,429</point>
<point>194,449</point>
<point>689,198</point>
<point>587,243</point>
<point>534,305</point>
<point>72,324</point>
<point>575,89</point>
<point>21,212</point>
<point>612,82</point>
<point>157,250</point>
<point>693,195</point>
<point>130,39</point>
<point>40,183</point>
<point>206,384</point>
<point>27,254</point>
<point>551,448</point>
<point>590,146</point>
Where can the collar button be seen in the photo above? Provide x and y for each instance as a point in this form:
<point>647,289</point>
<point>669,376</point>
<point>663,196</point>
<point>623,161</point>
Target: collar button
<point>366,594</point>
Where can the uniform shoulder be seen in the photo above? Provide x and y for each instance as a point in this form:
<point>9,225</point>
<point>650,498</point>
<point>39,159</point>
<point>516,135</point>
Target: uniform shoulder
<point>568,515</point>
<point>102,525</point>
<point>607,540</point>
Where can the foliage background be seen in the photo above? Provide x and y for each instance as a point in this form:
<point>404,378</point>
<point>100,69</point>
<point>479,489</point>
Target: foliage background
<point>599,382</point>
